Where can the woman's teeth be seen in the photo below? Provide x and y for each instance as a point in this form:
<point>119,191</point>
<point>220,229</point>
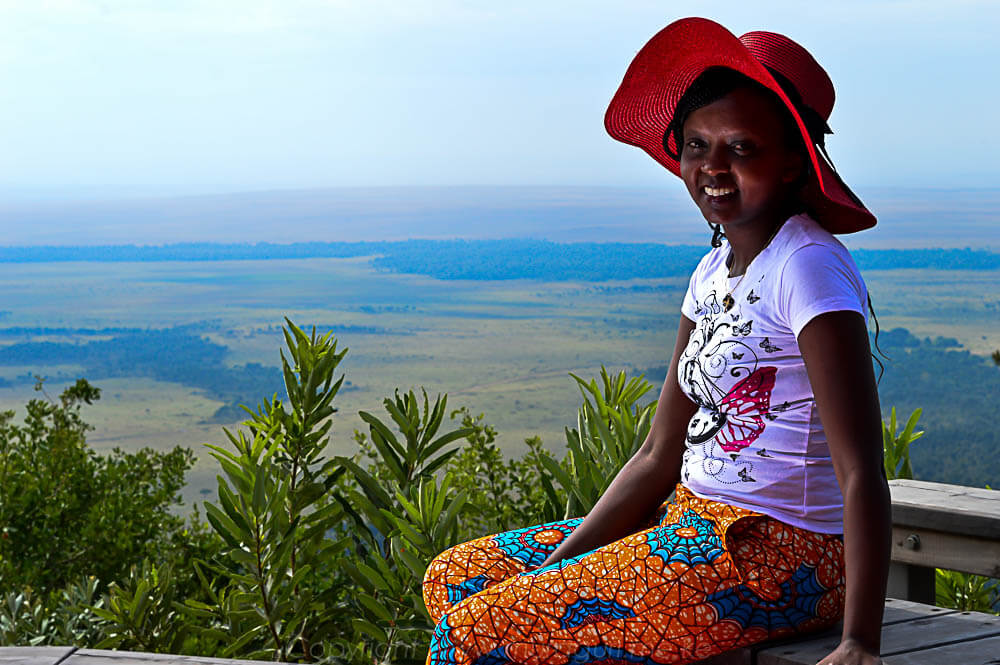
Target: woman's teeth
<point>719,191</point>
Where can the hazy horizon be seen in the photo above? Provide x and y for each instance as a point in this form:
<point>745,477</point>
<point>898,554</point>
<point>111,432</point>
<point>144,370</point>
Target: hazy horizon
<point>908,217</point>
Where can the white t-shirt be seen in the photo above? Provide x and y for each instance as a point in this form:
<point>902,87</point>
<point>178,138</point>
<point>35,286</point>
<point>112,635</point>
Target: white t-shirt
<point>756,440</point>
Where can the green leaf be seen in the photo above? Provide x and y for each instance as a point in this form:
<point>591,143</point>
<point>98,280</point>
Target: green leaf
<point>373,577</point>
<point>370,486</point>
<point>374,607</point>
<point>407,530</point>
<point>376,425</point>
<point>243,640</point>
<point>416,565</point>
<point>556,471</point>
<point>445,439</point>
<point>223,525</point>
<point>260,490</point>
<point>371,630</point>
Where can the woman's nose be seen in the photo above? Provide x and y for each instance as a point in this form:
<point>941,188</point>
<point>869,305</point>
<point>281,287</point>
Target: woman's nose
<point>714,163</point>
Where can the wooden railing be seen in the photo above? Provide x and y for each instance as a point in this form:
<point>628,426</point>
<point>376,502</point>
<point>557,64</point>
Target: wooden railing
<point>941,526</point>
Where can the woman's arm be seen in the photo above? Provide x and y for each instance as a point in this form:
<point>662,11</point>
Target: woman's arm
<point>835,349</point>
<point>648,478</point>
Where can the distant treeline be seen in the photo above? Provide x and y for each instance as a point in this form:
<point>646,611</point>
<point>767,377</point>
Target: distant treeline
<point>195,251</point>
<point>938,259</point>
<point>22,331</point>
<point>538,259</point>
<point>179,355</point>
<point>489,259</point>
<point>172,354</point>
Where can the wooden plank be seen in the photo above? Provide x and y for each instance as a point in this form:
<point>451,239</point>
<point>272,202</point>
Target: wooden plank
<point>784,652</point>
<point>938,630</point>
<point>33,655</point>
<point>800,653</point>
<point>936,549</point>
<point>975,652</point>
<point>933,630</point>
<point>898,611</point>
<point>948,508</point>
<point>107,657</point>
<point>737,657</point>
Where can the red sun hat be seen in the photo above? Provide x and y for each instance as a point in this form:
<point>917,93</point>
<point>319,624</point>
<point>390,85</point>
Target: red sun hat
<point>642,108</point>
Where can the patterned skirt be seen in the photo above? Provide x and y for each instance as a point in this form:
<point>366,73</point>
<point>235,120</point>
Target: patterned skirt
<point>704,578</point>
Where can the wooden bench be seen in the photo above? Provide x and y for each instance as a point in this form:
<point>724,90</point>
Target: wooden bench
<point>74,656</point>
<point>912,634</point>
<point>933,526</point>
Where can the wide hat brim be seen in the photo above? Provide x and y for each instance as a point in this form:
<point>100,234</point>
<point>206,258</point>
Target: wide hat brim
<point>668,64</point>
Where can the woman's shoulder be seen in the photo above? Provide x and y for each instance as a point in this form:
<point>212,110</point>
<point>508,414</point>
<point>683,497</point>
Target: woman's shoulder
<point>802,230</point>
<point>803,236</point>
<point>817,274</point>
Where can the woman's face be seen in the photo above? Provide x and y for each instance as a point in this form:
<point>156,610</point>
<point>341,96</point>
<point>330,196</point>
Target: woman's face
<point>736,162</point>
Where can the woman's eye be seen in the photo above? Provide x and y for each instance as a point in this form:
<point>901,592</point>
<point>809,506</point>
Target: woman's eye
<point>742,146</point>
<point>693,144</point>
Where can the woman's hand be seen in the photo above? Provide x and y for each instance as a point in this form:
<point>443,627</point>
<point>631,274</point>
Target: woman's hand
<point>648,478</point>
<point>851,652</point>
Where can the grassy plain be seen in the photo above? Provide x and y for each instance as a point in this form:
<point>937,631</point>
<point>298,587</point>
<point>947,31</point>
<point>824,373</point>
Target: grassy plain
<point>503,348</point>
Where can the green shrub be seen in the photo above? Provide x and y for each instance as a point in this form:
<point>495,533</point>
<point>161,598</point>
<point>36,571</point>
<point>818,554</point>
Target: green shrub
<point>611,426</point>
<point>512,493</point>
<point>275,592</point>
<point>896,446</point>
<point>966,592</point>
<point>66,511</point>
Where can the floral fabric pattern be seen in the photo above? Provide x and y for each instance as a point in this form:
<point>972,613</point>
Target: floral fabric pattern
<point>704,578</point>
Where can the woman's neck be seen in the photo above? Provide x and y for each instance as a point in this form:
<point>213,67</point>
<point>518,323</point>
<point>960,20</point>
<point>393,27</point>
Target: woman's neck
<point>746,243</point>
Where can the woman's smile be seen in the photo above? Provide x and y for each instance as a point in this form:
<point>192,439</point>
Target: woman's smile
<point>720,197</point>
<point>718,192</point>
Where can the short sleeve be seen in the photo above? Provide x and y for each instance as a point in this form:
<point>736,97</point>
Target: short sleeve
<point>689,304</point>
<point>817,279</point>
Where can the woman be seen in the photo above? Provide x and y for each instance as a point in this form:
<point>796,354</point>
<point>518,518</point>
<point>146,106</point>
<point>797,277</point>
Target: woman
<point>768,423</point>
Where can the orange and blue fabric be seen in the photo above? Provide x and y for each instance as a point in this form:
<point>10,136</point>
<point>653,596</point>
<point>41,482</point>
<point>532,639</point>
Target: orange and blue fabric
<point>704,578</point>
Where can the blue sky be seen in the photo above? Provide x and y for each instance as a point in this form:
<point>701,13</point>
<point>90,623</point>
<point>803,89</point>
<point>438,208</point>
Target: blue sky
<point>185,96</point>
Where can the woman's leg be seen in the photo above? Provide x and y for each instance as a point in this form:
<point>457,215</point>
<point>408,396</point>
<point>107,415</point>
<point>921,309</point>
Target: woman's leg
<point>470,567</point>
<point>708,579</point>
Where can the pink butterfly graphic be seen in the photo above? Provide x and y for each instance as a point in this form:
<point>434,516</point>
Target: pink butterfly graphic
<point>744,408</point>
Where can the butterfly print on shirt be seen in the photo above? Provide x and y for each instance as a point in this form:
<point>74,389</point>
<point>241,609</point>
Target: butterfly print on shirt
<point>768,346</point>
<point>744,408</point>
<point>738,419</point>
